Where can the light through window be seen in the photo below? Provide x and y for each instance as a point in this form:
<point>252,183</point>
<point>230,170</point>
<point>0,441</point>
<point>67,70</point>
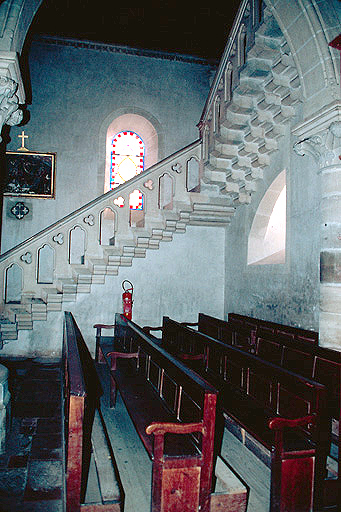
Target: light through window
<point>127,157</point>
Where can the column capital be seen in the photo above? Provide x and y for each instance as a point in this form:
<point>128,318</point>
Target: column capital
<point>320,137</point>
<point>9,103</point>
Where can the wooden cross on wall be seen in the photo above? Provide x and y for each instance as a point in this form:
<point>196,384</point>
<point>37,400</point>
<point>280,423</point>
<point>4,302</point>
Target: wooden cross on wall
<point>22,137</point>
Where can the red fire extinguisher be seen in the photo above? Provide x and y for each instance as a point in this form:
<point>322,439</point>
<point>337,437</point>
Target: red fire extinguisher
<point>127,299</point>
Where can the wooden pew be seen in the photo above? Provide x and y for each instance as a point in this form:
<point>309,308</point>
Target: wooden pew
<point>296,350</point>
<point>173,411</point>
<point>274,405</point>
<point>323,365</point>
<point>86,439</point>
<point>256,324</point>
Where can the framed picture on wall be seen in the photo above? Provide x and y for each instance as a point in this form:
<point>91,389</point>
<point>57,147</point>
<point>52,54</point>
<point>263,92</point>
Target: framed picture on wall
<point>30,174</point>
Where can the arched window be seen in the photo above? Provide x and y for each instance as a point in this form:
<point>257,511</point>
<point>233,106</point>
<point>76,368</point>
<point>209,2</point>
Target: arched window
<point>127,157</point>
<point>139,123</point>
<point>267,238</point>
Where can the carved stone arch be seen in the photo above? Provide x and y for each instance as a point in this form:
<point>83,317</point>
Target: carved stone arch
<point>216,114</point>
<point>130,119</point>
<point>45,264</point>
<point>228,82</point>
<point>107,226</point>
<point>193,175</point>
<point>17,21</point>
<point>317,26</point>
<point>242,42</point>
<point>136,209</point>
<point>77,245</point>
<point>206,143</point>
<point>166,192</point>
<point>13,283</point>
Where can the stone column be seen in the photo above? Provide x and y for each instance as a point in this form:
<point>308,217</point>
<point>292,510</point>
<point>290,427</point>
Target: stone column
<point>4,407</point>
<point>325,147</point>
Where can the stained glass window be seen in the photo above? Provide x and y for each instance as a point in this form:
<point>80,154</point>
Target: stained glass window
<point>127,157</point>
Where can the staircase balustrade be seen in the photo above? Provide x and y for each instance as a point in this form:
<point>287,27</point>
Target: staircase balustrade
<point>64,259</point>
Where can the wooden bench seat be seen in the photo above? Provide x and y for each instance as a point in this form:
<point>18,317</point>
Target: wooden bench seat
<point>299,354</point>
<point>283,411</point>
<point>173,411</point>
<point>92,480</point>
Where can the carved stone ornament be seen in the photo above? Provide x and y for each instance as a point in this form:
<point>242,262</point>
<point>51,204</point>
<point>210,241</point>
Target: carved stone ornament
<point>26,258</point>
<point>149,184</point>
<point>324,147</point>
<point>19,210</point>
<point>321,148</point>
<point>58,239</point>
<point>177,168</point>
<point>90,220</point>
<point>119,201</point>
<point>9,103</point>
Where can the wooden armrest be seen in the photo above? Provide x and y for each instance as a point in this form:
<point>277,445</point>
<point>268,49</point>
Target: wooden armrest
<point>148,329</point>
<point>104,326</point>
<point>282,423</point>
<point>121,355</point>
<point>174,428</point>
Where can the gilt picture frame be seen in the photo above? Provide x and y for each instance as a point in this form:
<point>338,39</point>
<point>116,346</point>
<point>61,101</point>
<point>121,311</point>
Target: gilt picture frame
<point>30,174</point>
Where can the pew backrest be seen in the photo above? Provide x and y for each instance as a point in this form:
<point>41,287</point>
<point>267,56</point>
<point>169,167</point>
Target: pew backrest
<point>281,391</point>
<point>84,430</point>
<point>257,324</point>
<point>186,397</point>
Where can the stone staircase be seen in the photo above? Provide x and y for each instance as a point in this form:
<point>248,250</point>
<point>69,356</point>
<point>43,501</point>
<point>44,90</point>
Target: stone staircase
<point>264,94</point>
<point>70,280</point>
<point>263,102</point>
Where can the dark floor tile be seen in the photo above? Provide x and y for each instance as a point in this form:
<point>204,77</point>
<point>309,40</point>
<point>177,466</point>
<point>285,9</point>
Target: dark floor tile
<point>47,441</point>
<point>19,444</point>
<point>12,482</point>
<point>10,504</point>
<point>18,461</point>
<point>4,460</point>
<point>42,506</point>
<point>28,426</point>
<point>44,481</point>
<point>39,391</point>
<point>46,425</point>
<point>15,505</point>
<point>36,409</point>
<point>47,446</point>
<point>44,454</point>
<point>52,373</point>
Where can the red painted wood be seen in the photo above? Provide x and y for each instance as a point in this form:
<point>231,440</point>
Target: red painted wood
<point>182,475</point>
<point>74,453</point>
<point>264,387</point>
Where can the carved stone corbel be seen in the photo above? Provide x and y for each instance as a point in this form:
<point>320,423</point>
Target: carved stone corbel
<point>10,113</point>
<point>324,147</point>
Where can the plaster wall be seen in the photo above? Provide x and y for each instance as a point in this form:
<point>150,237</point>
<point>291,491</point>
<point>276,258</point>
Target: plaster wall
<point>76,93</point>
<point>178,280</point>
<point>286,293</point>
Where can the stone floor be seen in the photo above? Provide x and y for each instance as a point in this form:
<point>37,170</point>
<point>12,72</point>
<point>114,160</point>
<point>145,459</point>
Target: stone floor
<point>31,469</point>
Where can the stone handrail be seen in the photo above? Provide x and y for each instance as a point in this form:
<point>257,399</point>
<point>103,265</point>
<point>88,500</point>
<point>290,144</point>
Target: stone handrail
<point>248,14</point>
